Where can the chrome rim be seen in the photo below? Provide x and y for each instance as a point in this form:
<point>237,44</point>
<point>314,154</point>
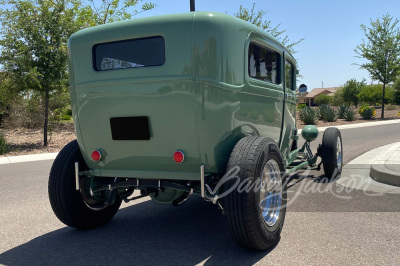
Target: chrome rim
<point>271,192</point>
<point>339,153</point>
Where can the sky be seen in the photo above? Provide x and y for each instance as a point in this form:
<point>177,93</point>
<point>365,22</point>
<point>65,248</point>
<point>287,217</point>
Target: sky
<point>331,30</point>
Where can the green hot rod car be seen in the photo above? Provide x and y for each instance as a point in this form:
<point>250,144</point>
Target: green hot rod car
<point>173,105</point>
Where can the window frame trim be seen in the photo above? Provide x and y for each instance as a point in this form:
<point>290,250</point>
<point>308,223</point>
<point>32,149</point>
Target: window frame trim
<point>271,49</point>
<point>94,61</point>
<point>293,73</point>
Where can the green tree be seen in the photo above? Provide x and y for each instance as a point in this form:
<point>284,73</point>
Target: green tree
<point>100,12</point>
<point>33,46</point>
<point>35,35</point>
<point>323,99</point>
<point>257,18</point>
<point>382,51</point>
<point>350,91</point>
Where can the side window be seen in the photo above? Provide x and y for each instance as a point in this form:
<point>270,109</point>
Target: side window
<point>289,70</point>
<point>264,64</point>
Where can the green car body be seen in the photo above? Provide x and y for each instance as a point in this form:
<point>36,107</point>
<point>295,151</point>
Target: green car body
<point>201,100</point>
<point>174,105</point>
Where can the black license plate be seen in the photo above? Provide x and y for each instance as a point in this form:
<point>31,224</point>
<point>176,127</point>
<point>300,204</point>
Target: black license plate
<point>130,128</point>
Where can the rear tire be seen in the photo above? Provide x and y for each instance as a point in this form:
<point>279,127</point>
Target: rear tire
<point>67,202</point>
<point>255,217</point>
<point>332,153</point>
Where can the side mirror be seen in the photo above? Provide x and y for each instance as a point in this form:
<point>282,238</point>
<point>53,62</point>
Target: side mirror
<point>302,88</point>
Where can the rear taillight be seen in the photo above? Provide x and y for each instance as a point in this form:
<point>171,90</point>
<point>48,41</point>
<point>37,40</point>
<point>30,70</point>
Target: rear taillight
<point>179,156</point>
<point>96,155</point>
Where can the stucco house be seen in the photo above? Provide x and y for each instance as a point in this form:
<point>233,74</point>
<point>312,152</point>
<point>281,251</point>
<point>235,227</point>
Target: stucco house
<point>309,97</point>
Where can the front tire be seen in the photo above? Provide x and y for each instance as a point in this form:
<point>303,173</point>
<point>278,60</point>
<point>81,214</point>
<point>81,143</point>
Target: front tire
<point>332,153</point>
<point>255,217</point>
<point>68,203</point>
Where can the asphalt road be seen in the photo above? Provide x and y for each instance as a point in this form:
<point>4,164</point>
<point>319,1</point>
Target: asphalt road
<point>320,227</point>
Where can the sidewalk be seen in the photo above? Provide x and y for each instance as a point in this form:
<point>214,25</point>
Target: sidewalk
<point>386,167</point>
<point>356,174</point>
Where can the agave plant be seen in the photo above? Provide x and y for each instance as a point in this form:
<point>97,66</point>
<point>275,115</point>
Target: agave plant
<point>308,116</point>
<point>327,113</point>
<point>349,115</point>
<point>342,110</point>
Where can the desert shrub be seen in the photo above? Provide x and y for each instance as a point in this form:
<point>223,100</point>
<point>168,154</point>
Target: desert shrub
<point>66,117</point>
<point>337,98</point>
<point>327,113</point>
<point>342,110</point>
<point>308,116</point>
<point>367,112</point>
<point>301,106</point>
<point>349,115</point>
<point>323,99</point>
<point>59,106</point>
<point>396,92</point>
<point>26,109</point>
<point>3,144</point>
<point>24,112</point>
<point>69,111</point>
<point>391,107</point>
<point>389,95</point>
<point>372,94</point>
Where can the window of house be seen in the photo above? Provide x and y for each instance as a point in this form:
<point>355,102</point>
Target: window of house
<point>144,52</point>
<point>263,64</point>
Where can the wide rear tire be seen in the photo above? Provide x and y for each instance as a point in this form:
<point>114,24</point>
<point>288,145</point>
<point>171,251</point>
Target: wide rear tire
<point>256,217</point>
<point>66,202</point>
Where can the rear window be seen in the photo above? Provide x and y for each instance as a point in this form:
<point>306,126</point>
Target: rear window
<point>144,52</point>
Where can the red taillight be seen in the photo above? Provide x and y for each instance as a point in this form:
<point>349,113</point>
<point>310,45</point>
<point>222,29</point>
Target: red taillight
<point>96,155</point>
<point>179,156</point>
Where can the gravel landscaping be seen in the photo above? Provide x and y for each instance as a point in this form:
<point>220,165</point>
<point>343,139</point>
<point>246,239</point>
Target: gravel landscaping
<point>23,141</point>
<point>389,115</point>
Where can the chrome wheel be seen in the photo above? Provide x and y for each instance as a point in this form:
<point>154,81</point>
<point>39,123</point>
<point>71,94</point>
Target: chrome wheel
<point>339,153</point>
<point>271,192</point>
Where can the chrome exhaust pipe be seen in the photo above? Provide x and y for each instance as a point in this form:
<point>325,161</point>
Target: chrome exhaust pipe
<point>202,182</point>
<point>76,175</point>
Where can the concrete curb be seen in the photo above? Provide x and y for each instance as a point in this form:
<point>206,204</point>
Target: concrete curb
<point>386,168</point>
<point>28,158</point>
<point>360,125</point>
<point>356,173</point>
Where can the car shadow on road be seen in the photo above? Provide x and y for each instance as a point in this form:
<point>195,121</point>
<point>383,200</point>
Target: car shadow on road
<point>317,177</point>
<point>145,233</point>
